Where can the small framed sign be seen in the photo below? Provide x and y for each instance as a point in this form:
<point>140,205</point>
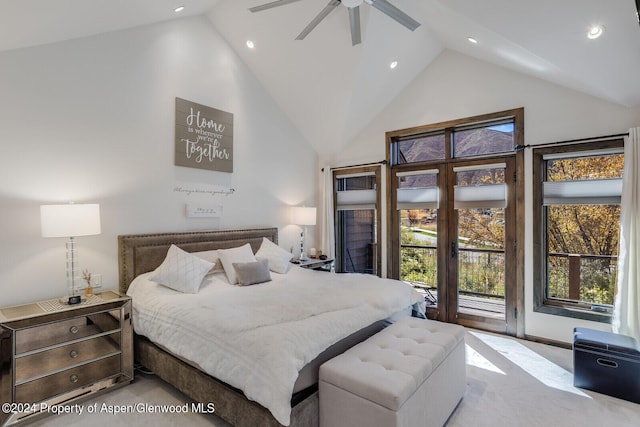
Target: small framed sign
<point>204,137</point>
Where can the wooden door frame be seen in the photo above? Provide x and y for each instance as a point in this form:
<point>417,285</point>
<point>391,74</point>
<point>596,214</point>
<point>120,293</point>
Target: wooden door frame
<point>514,285</point>
<point>446,309</point>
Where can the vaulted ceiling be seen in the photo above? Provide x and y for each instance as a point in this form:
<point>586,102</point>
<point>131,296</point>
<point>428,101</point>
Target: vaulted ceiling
<point>330,89</point>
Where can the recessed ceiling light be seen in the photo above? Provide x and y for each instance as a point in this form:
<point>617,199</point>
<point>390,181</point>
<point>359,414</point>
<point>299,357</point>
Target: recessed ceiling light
<point>393,64</point>
<point>472,40</point>
<point>250,44</point>
<point>595,31</point>
<point>178,9</point>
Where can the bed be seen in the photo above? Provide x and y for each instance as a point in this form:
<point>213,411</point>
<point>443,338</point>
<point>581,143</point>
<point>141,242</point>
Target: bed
<point>187,370</point>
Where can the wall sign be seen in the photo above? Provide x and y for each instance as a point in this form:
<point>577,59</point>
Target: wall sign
<point>204,137</point>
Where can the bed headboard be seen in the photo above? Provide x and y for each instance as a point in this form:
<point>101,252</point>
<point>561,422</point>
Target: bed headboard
<point>140,253</point>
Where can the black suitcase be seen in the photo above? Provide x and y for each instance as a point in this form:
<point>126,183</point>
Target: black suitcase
<point>606,363</point>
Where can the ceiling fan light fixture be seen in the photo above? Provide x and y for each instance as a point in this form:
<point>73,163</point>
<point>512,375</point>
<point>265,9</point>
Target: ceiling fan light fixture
<point>354,15</point>
<point>595,32</point>
<point>393,64</point>
<point>251,44</point>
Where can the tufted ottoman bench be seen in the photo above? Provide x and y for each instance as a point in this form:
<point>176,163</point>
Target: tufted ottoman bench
<point>411,374</point>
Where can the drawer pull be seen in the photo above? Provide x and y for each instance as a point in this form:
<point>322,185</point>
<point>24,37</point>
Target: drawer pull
<point>73,354</point>
<point>74,329</point>
<point>607,363</point>
<point>73,378</point>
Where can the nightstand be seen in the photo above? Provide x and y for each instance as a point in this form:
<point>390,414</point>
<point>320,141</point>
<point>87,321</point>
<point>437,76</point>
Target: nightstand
<point>317,264</point>
<point>52,353</point>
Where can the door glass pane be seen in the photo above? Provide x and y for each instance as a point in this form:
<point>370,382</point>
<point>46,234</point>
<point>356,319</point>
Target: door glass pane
<point>418,250</point>
<point>480,176</point>
<point>481,249</point>
<point>481,262</point>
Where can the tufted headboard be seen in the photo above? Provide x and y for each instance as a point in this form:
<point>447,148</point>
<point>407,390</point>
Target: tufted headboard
<point>140,253</point>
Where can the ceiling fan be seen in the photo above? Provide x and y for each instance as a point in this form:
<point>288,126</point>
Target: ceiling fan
<point>354,15</point>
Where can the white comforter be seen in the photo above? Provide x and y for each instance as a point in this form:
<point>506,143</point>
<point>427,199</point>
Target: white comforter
<point>256,338</point>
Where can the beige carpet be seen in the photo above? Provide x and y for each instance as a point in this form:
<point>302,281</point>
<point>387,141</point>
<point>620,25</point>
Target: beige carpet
<point>510,383</point>
<point>520,383</point>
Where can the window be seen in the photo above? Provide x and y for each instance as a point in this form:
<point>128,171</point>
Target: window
<point>463,139</point>
<point>357,220</point>
<point>422,148</point>
<point>494,138</point>
<point>578,228</point>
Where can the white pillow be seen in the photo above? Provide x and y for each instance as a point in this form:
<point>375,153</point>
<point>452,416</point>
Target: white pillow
<point>277,257</point>
<point>229,256</point>
<point>181,271</point>
<point>212,257</point>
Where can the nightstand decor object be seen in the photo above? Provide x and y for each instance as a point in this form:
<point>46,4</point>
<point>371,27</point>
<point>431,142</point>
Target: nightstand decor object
<point>303,216</point>
<point>70,220</point>
<point>320,264</point>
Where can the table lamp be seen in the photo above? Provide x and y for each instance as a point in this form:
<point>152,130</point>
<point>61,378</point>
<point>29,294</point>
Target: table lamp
<point>70,220</point>
<point>303,216</point>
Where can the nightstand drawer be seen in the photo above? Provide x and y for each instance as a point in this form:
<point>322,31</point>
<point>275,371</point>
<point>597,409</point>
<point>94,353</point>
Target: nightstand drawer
<point>51,334</point>
<point>55,359</point>
<point>70,379</point>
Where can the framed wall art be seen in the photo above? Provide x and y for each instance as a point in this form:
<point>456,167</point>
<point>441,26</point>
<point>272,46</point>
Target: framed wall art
<point>204,137</point>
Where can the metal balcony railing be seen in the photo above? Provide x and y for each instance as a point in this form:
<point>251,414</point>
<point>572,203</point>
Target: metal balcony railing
<point>481,271</point>
<point>577,277</point>
<point>581,277</point>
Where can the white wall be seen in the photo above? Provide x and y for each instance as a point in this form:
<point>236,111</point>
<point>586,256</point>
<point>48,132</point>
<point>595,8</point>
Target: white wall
<point>92,120</point>
<point>457,86</point>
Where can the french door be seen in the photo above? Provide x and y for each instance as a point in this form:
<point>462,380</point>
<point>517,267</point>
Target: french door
<point>454,238</point>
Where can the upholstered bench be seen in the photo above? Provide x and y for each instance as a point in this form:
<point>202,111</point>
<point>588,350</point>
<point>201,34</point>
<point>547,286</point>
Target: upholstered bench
<point>410,374</point>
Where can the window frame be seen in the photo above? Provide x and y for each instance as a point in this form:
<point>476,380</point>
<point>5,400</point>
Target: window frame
<point>541,303</point>
<point>362,170</point>
<point>447,129</point>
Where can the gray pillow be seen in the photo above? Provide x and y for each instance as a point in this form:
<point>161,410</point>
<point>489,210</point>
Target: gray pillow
<point>253,272</point>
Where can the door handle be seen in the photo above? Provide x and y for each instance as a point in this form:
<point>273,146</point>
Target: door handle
<point>454,249</point>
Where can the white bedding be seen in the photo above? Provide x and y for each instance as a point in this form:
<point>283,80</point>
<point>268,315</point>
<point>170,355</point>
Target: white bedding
<point>256,338</point>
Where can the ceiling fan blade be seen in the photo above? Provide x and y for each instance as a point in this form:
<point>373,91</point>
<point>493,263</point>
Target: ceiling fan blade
<point>393,12</point>
<point>354,22</point>
<point>270,5</point>
<point>323,14</point>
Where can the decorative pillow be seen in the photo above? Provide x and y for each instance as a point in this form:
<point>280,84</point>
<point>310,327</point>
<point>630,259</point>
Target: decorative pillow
<point>181,271</point>
<point>212,257</point>
<point>252,272</point>
<point>229,256</point>
<point>277,257</point>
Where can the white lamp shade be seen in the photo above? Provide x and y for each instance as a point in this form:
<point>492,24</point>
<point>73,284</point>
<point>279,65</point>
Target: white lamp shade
<point>70,220</point>
<point>303,216</point>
